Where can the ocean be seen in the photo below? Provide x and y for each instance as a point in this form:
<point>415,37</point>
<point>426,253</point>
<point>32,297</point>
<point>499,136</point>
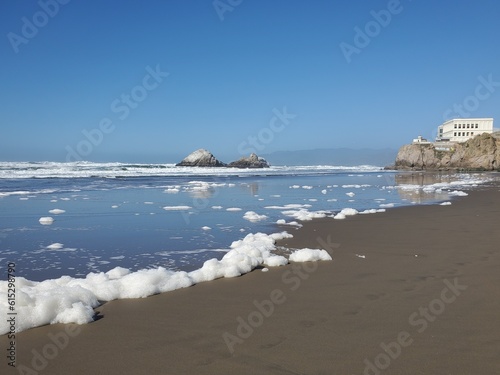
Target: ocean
<point>96,225</point>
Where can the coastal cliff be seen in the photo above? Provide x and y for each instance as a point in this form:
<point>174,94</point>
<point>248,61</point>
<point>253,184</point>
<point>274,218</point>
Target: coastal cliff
<point>481,153</point>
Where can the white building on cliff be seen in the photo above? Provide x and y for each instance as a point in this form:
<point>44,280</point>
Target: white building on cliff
<point>463,129</point>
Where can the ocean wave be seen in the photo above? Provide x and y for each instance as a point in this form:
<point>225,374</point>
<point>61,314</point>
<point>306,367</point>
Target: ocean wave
<point>23,170</point>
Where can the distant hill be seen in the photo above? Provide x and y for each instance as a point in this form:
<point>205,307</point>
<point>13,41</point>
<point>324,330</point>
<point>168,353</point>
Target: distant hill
<point>333,156</point>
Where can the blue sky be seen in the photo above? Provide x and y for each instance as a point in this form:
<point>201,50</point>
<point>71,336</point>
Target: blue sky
<point>154,80</point>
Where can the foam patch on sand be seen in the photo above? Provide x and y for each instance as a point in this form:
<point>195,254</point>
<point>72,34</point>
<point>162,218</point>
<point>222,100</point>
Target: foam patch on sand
<point>457,193</point>
<point>72,300</point>
<point>291,223</point>
<point>346,212</point>
<point>386,205</point>
<point>372,211</point>
<point>309,255</point>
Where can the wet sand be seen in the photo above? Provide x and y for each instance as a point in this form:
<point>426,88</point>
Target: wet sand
<point>414,290</point>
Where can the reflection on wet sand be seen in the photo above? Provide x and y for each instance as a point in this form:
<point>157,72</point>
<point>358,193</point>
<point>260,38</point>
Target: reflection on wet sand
<point>406,183</point>
<point>252,188</point>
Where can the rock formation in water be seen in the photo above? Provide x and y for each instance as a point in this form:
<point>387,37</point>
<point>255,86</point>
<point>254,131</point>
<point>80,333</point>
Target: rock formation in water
<point>200,158</point>
<point>253,161</point>
<point>481,153</point>
<point>204,158</point>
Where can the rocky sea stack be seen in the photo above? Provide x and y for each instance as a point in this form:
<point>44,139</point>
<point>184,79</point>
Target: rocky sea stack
<point>481,153</point>
<point>204,158</point>
<point>253,161</point>
<point>200,158</point>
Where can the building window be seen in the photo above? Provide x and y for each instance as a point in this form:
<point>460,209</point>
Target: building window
<point>471,133</point>
<point>455,134</point>
<point>467,133</point>
<point>468,126</point>
<point>476,126</point>
<point>455,126</point>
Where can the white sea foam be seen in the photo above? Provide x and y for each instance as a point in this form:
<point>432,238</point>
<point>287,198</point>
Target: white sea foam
<point>386,205</point>
<point>457,193</point>
<point>233,209</point>
<point>46,220</point>
<point>372,211</point>
<point>72,300</point>
<point>350,194</point>
<point>309,255</point>
<point>177,208</point>
<point>57,211</point>
<point>253,216</point>
<point>288,206</point>
<point>291,223</point>
<point>346,212</point>
<point>172,190</point>
<point>305,215</point>
<point>355,186</point>
<point>55,246</point>
<point>445,204</point>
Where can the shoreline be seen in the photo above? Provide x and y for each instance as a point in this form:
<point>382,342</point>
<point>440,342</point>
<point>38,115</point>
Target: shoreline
<point>325,317</point>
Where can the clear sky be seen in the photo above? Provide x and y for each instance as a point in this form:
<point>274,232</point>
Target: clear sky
<point>149,81</point>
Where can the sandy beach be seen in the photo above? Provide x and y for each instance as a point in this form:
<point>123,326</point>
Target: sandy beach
<point>414,290</point>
